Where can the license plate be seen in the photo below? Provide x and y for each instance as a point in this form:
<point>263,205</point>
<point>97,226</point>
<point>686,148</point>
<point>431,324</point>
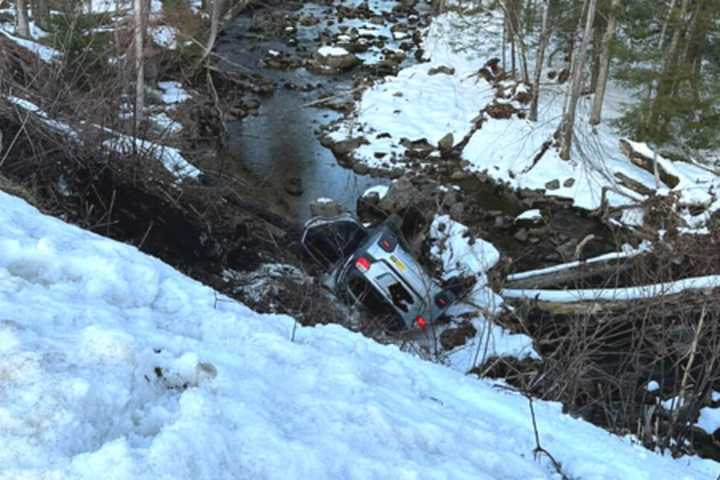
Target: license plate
<point>398,263</point>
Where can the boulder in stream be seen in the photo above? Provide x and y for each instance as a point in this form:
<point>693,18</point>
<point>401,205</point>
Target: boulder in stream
<point>330,60</point>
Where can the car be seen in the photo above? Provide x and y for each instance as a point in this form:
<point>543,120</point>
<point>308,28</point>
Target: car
<point>373,267</point>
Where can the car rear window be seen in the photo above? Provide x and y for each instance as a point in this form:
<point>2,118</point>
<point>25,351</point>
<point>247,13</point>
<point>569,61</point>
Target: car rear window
<point>366,293</point>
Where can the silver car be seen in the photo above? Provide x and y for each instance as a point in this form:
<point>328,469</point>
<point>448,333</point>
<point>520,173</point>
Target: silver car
<point>374,268</point>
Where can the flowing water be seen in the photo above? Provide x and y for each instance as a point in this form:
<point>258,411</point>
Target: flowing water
<point>280,145</point>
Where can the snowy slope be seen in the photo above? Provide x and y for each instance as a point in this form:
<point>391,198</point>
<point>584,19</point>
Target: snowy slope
<point>115,366</point>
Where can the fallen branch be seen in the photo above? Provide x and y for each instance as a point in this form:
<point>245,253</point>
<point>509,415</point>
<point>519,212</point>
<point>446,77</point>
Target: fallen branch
<point>573,271</point>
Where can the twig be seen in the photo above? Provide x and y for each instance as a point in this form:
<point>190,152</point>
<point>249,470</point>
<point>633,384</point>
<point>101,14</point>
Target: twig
<point>322,100</point>
<point>145,236</point>
<point>538,448</point>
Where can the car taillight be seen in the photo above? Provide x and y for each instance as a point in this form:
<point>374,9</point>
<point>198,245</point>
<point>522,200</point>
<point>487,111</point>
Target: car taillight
<point>421,322</point>
<point>441,301</point>
<point>362,264</point>
<point>387,243</point>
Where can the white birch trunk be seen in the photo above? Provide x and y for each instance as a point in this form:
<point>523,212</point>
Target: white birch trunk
<point>596,115</point>
<point>539,61</point>
<point>576,85</point>
<point>22,28</point>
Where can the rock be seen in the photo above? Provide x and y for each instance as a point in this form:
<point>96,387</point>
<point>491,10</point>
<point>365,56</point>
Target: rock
<point>441,69</point>
<point>417,148</point>
<point>454,337</point>
<point>343,148</point>
<point>521,235</point>
<point>457,209</point>
<point>563,76</point>
<point>523,93</point>
<point>460,174</point>
<point>446,143</point>
<point>367,207</point>
<point>500,110</point>
<point>569,182</point>
<point>294,187</point>
<point>401,196</point>
<point>325,207</point>
<point>553,185</point>
<point>360,168</point>
<point>331,60</point>
<point>567,250</point>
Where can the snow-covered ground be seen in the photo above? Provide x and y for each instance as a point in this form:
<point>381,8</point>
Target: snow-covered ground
<point>113,365</point>
<point>423,102</point>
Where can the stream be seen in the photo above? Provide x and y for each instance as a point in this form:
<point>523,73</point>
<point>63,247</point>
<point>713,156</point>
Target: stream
<point>279,146</point>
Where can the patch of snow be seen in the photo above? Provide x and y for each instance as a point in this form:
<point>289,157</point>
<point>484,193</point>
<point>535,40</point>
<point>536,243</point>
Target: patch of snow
<point>165,123</point>
<point>46,54</point>
<point>458,257</point>
<point>709,419</point>
<point>532,215</point>
<point>170,157</point>
<point>173,93</point>
<point>164,36</point>
<point>380,190</point>
<point>328,51</point>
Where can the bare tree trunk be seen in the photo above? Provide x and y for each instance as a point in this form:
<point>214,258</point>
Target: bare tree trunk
<point>215,15</point>
<point>665,25</point>
<point>568,125</point>
<point>22,27</point>
<point>539,61</point>
<point>512,28</point>
<point>41,13</point>
<point>596,115</point>
<point>504,43</point>
<point>139,63</point>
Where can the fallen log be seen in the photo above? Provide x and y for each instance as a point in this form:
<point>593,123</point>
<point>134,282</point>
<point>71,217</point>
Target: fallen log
<point>653,165</point>
<point>606,300</point>
<point>612,263</point>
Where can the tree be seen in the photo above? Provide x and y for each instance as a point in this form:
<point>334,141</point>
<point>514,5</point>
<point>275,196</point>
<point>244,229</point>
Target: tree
<point>41,13</point>
<point>576,84</point>
<point>139,62</point>
<point>514,34</point>
<point>539,61</point>
<point>604,67</point>
<point>22,27</point>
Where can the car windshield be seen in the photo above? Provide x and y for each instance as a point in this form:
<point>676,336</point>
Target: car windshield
<point>332,241</point>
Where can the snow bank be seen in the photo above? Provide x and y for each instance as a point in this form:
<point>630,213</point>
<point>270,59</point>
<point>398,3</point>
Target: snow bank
<point>462,257</point>
<point>424,103</point>
<point>113,365</point>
